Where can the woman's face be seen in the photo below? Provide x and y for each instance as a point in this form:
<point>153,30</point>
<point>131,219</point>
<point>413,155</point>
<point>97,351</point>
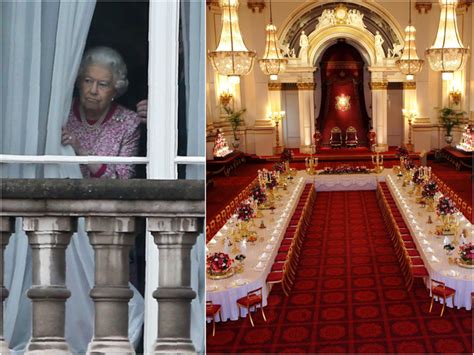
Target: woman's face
<point>96,89</point>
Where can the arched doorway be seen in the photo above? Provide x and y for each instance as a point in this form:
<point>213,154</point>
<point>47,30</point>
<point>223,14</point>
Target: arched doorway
<point>342,94</point>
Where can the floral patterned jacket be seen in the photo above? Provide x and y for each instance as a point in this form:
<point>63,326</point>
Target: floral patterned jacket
<point>118,135</point>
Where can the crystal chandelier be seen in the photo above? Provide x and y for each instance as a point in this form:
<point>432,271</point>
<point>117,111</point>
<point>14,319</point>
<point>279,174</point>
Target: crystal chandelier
<point>272,62</point>
<point>447,54</point>
<point>231,57</point>
<point>409,63</point>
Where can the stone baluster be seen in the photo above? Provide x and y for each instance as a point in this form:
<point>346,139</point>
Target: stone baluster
<point>48,238</point>
<point>111,238</point>
<point>174,237</point>
<point>6,229</point>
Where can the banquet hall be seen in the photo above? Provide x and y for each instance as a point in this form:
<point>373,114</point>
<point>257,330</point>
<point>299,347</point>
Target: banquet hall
<point>339,176</point>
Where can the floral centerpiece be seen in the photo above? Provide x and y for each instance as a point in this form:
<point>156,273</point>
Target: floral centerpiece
<point>219,265</point>
<point>286,155</point>
<point>466,254</point>
<point>446,208</point>
<point>429,191</point>
<point>259,195</point>
<point>272,181</point>
<point>417,177</point>
<point>245,212</point>
<point>280,167</point>
<point>345,169</point>
<point>402,152</point>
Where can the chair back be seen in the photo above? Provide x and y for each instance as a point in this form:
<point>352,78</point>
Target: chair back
<point>336,136</point>
<point>351,136</point>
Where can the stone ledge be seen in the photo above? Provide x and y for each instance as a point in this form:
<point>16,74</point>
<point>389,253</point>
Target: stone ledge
<point>103,189</point>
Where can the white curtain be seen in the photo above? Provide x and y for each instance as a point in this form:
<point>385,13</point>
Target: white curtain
<point>42,44</point>
<point>194,46</point>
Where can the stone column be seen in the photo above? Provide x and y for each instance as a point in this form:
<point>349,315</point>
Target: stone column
<point>306,111</point>
<point>111,238</point>
<point>409,104</point>
<point>379,112</point>
<point>48,238</point>
<point>174,236</point>
<point>6,229</point>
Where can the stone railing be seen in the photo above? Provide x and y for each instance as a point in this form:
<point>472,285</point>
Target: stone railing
<point>50,207</point>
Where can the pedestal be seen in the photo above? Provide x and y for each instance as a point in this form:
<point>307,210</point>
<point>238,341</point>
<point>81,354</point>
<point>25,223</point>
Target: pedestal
<point>48,238</point>
<point>174,236</point>
<point>111,238</point>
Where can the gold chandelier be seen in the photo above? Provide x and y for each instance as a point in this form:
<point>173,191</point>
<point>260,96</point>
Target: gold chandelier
<point>231,57</point>
<point>409,63</point>
<point>272,62</point>
<point>447,54</point>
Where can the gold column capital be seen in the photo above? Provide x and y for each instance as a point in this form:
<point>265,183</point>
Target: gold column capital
<point>409,85</point>
<point>306,86</point>
<point>378,85</point>
<point>275,86</point>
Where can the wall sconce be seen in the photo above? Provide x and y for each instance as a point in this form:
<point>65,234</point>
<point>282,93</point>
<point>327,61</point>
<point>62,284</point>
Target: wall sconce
<point>225,97</point>
<point>455,96</point>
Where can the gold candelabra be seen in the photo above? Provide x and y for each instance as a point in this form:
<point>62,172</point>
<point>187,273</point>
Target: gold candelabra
<point>410,115</point>
<point>277,117</point>
<point>311,163</point>
<point>377,160</point>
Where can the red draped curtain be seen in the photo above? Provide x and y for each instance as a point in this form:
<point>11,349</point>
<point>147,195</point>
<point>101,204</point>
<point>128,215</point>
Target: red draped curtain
<point>342,73</point>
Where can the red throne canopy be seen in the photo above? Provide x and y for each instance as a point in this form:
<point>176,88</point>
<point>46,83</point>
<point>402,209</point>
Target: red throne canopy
<point>342,99</point>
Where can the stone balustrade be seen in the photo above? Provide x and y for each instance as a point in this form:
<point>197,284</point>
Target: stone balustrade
<point>50,207</point>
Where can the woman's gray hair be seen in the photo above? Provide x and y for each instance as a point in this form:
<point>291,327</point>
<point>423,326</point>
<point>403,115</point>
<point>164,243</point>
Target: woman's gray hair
<point>111,59</point>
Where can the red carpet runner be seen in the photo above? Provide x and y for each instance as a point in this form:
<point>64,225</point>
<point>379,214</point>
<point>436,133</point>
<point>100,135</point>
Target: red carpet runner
<point>348,295</point>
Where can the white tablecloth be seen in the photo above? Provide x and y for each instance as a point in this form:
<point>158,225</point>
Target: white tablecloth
<point>430,246</point>
<point>259,257</point>
<point>350,182</point>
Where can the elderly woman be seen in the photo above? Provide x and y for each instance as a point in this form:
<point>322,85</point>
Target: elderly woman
<point>97,125</point>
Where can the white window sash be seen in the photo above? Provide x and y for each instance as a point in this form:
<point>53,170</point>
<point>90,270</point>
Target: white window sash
<point>91,159</point>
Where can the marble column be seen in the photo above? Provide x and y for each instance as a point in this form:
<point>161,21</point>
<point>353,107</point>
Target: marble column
<point>306,113</point>
<point>379,112</point>
<point>48,238</point>
<point>174,236</point>
<point>111,238</point>
<point>6,229</point>
<point>410,105</point>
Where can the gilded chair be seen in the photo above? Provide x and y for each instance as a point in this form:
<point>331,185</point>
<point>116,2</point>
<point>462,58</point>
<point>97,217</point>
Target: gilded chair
<point>351,137</point>
<point>253,299</point>
<point>336,138</point>
<point>439,289</point>
<point>211,311</point>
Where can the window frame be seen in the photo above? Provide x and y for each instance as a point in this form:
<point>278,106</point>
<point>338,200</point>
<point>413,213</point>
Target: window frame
<point>162,132</point>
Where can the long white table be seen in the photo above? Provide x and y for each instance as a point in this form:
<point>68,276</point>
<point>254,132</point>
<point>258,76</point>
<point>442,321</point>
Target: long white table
<point>430,246</point>
<point>349,182</point>
<point>259,256</point>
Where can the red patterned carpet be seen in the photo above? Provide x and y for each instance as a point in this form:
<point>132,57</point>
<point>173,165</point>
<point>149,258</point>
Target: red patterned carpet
<point>348,295</point>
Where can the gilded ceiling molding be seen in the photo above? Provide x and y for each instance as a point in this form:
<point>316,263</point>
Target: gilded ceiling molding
<point>423,6</point>
<point>463,5</point>
<point>275,86</point>
<point>378,85</point>
<point>213,5</point>
<point>306,86</point>
<point>409,85</point>
<point>256,5</point>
